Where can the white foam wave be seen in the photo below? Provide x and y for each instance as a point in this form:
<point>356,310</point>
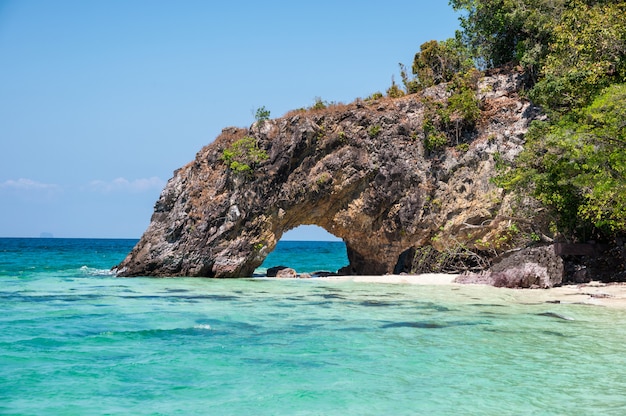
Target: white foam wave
<point>91,271</point>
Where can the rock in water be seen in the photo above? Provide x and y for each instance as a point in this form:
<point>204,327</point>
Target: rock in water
<point>287,273</point>
<point>361,171</point>
<point>273,271</point>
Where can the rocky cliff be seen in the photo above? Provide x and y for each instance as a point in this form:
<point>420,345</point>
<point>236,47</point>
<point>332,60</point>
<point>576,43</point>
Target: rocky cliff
<point>361,171</point>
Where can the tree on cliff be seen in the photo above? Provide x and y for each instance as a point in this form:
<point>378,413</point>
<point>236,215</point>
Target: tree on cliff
<point>575,53</point>
<point>438,62</point>
<point>502,31</point>
<point>577,166</point>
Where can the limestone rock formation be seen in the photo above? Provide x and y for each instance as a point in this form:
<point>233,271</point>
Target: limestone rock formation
<point>360,171</point>
<point>531,267</point>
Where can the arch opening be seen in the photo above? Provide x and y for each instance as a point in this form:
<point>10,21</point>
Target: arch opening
<point>308,249</point>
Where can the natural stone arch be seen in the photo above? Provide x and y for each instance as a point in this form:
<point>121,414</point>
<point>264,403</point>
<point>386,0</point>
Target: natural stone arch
<point>341,187</point>
<point>211,221</point>
<point>359,171</point>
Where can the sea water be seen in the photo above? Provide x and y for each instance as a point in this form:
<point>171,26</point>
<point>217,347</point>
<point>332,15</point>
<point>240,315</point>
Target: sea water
<point>76,340</point>
<point>307,256</point>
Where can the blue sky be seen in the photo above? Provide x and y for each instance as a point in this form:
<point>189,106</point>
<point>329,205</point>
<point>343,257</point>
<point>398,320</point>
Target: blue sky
<point>100,101</point>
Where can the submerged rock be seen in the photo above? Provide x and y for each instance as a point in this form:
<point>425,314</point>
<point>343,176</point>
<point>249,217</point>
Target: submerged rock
<point>361,171</point>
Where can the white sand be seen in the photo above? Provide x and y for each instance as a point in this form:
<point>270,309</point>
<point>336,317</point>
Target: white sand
<point>593,293</point>
<point>418,279</point>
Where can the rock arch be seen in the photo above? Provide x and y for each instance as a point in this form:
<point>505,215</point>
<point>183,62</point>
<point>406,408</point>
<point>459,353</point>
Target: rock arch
<point>359,171</point>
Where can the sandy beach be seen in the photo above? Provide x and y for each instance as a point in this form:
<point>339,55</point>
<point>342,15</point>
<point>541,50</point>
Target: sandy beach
<point>593,293</point>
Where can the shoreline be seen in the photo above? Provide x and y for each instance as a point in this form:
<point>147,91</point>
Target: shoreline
<point>594,293</point>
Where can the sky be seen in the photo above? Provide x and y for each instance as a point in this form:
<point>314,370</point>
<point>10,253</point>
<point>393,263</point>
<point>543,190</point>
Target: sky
<point>100,101</point>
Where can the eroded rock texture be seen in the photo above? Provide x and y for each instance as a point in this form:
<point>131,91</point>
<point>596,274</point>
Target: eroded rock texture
<point>531,267</point>
<point>360,171</point>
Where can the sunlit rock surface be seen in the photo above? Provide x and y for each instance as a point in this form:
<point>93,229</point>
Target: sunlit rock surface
<point>360,171</point>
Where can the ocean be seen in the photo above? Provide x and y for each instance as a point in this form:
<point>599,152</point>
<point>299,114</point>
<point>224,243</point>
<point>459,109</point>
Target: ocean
<point>76,340</point>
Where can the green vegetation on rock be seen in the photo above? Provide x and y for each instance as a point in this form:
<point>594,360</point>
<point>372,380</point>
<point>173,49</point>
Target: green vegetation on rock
<point>446,121</point>
<point>577,167</point>
<point>262,114</point>
<point>438,62</point>
<point>243,155</point>
<point>575,53</point>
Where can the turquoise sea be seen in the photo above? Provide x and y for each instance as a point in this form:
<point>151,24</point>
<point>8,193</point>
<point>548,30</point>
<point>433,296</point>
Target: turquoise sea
<point>76,340</point>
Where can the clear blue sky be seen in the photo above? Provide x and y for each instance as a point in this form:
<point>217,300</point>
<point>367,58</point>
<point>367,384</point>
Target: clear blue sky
<point>100,101</point>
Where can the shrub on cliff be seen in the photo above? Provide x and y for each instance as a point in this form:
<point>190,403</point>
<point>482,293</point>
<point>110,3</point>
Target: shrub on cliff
<point>502,31</point>
<point>577,167</point>
<point>243,155</point>
<point>394,91</point>
<point>262,114</point>
<point>438,62</point>
<point>575,53</point>
<point>586,55</point>
<point>446,122</point>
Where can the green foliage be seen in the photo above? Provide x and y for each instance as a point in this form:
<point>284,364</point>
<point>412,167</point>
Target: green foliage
<point>439,62</point>
<point>321,132</point>
<point>262,114</point>
<point>243,155</point>
<point>462,147</point>
<point>374,130</point>
<point>435,140</point>
<point>435,121</point>
<point>447,121</point>
<point>411,85</point>
<point>319,104</point>
<point>572,48</point>
<point>575,52</point>
<point>375,96</point>
<point>587,54</point>
<point>323,179</point>
<point>501,31</point>
<point>577,167</point>
<point>394,91</point>
<point>463,103</point>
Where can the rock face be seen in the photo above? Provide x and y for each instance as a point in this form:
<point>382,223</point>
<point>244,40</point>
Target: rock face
<point>360,171</point>
<point>531,267</point>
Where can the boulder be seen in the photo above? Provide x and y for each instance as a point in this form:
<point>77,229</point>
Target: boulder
<point>273,271</point>
<point>287,273</point>
<point>532,267</point>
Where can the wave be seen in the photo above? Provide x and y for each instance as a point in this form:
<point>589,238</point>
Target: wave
<point>91,271</point>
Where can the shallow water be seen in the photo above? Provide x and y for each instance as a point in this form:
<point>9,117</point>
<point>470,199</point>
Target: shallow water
<point>307,256</point>
<point>76,340</point>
